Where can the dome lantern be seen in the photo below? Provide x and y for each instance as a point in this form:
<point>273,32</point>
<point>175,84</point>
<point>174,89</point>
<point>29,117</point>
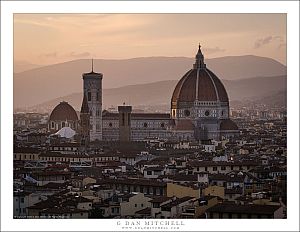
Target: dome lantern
<point>199,64</point>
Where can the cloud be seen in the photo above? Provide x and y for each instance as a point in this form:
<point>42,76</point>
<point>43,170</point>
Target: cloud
<point>78,55</point>
<point>213,50</point>
<point>49,55</point>
<point>267,40</point>
<point>260,42</point>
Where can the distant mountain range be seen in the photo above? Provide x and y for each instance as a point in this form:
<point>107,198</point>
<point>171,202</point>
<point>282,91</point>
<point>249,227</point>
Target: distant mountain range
<point>22,66</point>
<point>159,93</point>
<point>126,80</point>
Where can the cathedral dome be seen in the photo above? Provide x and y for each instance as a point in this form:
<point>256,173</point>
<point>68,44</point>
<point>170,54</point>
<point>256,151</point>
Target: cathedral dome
<point>199,84</point>
<point>63,112</point>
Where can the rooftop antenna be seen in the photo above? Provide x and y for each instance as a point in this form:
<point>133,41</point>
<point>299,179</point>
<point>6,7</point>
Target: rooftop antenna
<point>92,65</point>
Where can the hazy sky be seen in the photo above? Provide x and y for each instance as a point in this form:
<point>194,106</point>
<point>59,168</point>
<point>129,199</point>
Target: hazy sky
<point>54,38</point>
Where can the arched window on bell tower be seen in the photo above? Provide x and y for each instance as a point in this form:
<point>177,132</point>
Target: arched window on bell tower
<point>89,96</point>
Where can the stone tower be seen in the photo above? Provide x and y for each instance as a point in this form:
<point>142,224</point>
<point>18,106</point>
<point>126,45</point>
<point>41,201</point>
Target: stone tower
<point>124,123</point>
<point>92,89</point>
<point>85,122</point>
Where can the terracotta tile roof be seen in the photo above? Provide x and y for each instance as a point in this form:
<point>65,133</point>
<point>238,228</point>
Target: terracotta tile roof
<point>234,191</point>
<point>160,199</point>
<point>252,209</point>
<point>184,124</point>
<point>63,111</point>
<point>177,202</point>
<point>146,211</point>
<point>145,182</point>
<point>180,177</point>
<point>196,163</point>
<point>228,124</point>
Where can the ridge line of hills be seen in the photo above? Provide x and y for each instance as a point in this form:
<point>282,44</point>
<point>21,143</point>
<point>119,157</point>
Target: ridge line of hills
<point>43,84</point>
<point>157,94</point>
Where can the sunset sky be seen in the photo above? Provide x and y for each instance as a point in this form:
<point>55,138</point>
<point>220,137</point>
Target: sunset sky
<point>54,38</point>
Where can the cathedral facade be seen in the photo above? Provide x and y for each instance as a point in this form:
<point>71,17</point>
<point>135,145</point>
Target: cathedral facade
<point>199,110</point>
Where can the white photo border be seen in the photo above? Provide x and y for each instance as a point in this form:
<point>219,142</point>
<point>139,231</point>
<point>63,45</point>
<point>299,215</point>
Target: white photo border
<point>8,8</point>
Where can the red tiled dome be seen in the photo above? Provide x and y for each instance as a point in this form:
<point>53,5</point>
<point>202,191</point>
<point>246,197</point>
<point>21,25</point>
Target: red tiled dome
<point>199,84</point>
<point>228,124</point>
<point>62,112</point>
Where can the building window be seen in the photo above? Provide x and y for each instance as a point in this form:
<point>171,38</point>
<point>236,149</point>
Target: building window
<point>187,113</point>
<point>161,191</point>
<point>215,168</point>
<point>52,125</point>
<point>135,205</point>
<point>206,113</point>
<point>63,124</point>
<point>89,96</point>
<point>97,96</point>
<point>123,119</point>
<point>22,199</point>
<point>142,205</point>
<point>223,168</point>
<point>145,125</point>
<point>110,124</point>
<point>129,119</point>
<point>162,125</point>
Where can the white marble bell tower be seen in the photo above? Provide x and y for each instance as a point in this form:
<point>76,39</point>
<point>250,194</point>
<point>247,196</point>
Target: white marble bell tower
<point>92,88</point>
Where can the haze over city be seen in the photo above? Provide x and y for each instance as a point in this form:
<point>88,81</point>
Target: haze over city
<point>145,48</point>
